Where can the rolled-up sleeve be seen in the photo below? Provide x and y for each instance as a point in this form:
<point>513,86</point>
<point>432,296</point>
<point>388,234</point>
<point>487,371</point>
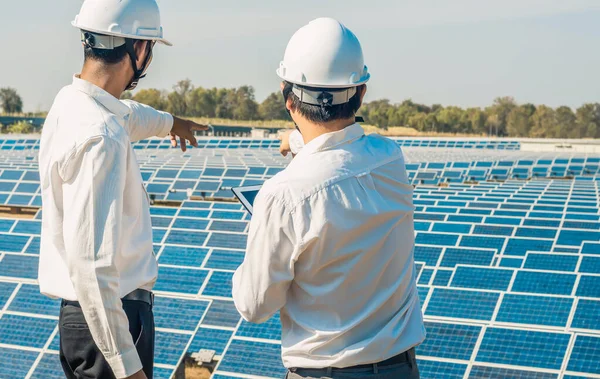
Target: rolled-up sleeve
<point>146,122</point>
<point>91,228</point>
<point>296,142</point>
<point>261,283</point>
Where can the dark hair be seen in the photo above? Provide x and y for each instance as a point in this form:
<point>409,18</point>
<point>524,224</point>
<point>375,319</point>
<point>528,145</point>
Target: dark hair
<point>322,114</point>
<point>105,56</point>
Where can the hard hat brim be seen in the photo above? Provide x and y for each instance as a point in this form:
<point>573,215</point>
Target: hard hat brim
<point>362,81</point>
<point>159,40</point>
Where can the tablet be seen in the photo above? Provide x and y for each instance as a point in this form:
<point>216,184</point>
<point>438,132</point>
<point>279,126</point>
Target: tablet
<point>246,195</point>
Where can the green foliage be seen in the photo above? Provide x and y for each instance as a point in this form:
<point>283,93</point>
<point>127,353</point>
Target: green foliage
<point>273,108</point>
<point>10,101</point>
<point>505,117</point>
<point>21,127</point>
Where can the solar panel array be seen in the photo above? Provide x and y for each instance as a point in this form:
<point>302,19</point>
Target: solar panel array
<point>247,143</point>
<point>173,176</point>
<point>509,278</point>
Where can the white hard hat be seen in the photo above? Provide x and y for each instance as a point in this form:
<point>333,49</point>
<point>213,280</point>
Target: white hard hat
<point>324,54</point>
<point>134,19</point>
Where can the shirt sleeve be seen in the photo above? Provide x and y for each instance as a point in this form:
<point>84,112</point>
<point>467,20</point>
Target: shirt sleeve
<point>261,283</point>
<point>145,121</point>
<point>92,232</point>
<point>296,142</point>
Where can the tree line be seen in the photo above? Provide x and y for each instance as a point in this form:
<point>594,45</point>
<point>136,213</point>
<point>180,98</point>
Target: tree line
<point>505,117</point>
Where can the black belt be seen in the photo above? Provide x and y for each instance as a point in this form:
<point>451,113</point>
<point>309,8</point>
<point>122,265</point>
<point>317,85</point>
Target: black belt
<point>137,295</point>
<point>405,357</point>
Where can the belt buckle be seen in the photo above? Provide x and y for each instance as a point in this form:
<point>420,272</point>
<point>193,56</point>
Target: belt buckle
<point>151,299</point>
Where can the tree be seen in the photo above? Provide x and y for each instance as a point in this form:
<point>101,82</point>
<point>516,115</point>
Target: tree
<point>452,121</point>
<point>518,123</point>
<point>273,108</point>
<point>588,121</point>
<point>566,123</point>
<point>152,97</point>
<point>21,127</point>
<point>498,114</point>
<point>543,122</point>
<point>376,113</point>
<point>245,106</point>
<point>202,102</point>
<point>177,100</point>
<point>476,118</point>
<point>10,101</point>
<point>127,95</point>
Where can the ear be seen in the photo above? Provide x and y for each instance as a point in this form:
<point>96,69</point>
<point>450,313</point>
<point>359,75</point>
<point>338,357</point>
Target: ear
<point>282,85</point>
<point>288,104</point>
<point>363,91</point>
<point>140,48</point>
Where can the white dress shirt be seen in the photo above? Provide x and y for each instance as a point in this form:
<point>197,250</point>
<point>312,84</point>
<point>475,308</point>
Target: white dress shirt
<point>96,243</point>
<point>331,246</point>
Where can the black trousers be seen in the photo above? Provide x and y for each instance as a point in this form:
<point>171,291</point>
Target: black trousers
<point>80,357</point>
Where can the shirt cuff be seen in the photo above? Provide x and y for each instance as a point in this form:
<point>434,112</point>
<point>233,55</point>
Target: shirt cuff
<point>167,120</point>
<point>296,142</point>
<point>125,364</point>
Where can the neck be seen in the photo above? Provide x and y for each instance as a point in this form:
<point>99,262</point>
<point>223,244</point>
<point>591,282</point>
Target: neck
<point>310,130</point>
<point>109,79</point>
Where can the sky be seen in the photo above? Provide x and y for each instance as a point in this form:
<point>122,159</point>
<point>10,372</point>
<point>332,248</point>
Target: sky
<point>449,52</point>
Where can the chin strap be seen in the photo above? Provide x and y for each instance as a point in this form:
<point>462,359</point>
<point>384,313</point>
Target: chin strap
<point>137,73</point>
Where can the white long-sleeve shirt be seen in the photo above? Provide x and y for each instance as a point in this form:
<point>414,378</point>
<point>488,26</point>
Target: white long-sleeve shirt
<point>96,243</point>
<point>330,246</point>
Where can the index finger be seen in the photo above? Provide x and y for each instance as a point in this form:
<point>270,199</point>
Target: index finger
<point>199,127</point>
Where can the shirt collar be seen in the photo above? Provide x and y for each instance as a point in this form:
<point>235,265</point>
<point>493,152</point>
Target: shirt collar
<point>328,141</point>
<point>110,102</point>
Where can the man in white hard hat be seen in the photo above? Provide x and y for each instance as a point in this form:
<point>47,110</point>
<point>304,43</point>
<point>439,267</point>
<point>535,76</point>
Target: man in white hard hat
<point>331,238</point>
<point>96,251</point>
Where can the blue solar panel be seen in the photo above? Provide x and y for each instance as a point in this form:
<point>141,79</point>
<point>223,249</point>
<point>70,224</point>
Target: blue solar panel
<point>184,237</point>
<point>482,278</point>
<point>551,262</point>
<point>576,237</point>
<point>544,283</point>
<point>586,315</point>
<point>436,239</point>
<point>16,363</point>
<point>427,254</point>
<point>182,314</point>
<point>442,277</point>
<point>590,265</point>
<point>30,300</point>
<point>451,341</point>
<point>270,330</point>
<point>48,367</point>
<point>437,370</point>
<point>25,331</point>
<point>221,313</point>
<point>524,347</point>
<point>253,358</point>
<point>211,339</point>
<point>181,280</point>
<point>454,256</point>
<point>227,240</point>
<point>219,284</point>
<point>6,290</point>
<point>182,256</point>
<point>525,309</point>
<point>484,372</point>
<point>462,304</point>
<point>520,246</point>
<point>483,242</point>
<point>584,356</point>
<point>169,347</point>
<point>19,266</point>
